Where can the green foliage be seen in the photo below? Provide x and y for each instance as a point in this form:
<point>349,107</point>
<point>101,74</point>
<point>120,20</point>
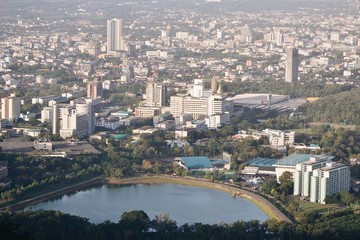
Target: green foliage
<point>309,89</point>
<point>343,198</point>
<point>136,220</point>
<point>32,175</point>
<point>344,104</point>
<point>43,225</point>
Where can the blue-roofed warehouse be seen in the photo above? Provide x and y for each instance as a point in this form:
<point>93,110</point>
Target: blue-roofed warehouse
<point>268,166</point>
<point>194,163</point>
<point>262,162</point>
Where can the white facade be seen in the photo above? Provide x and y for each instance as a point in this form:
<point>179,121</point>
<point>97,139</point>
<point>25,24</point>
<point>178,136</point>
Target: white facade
<point>317,180</point>
<point>115,35</point>
<point>108,123</point>
<point>217,120</point>
<point>177,105</point>
<point>47,115</point>
<point>155,94</point>
<point>303,174</point>
<point>198,107</point>
<point>10,107</point>
<point>72,120</point>
<point>280,138</point>
<point>45,146</point>
<point>215,105</point>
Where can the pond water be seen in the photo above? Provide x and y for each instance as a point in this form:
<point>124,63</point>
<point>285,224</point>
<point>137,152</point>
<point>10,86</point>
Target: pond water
<point>185,204</point>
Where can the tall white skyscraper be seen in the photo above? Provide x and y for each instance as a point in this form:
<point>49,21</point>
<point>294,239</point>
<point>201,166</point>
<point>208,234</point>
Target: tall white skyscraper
<point>115,40</point>
<point>291,66</point>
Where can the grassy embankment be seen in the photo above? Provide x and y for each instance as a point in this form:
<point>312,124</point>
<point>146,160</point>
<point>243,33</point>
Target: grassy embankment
<point>319,208</point>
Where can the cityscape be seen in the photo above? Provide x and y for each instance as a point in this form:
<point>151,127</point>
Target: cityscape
<point>192,119</point>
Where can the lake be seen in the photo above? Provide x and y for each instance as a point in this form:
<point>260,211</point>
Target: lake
<point>185,204</point>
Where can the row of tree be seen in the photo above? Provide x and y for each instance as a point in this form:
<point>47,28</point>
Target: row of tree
<point>55,225</point>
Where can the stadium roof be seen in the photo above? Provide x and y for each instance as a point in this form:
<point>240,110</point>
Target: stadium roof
<point>294,159</point>
<point>196,162</point>
<point>263,162</point>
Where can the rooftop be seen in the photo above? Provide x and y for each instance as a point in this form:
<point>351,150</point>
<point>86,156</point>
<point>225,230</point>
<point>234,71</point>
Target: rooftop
<point>196,162</point>
<point>120,136</point>
<point>294,159</point>
<point>263,162</point>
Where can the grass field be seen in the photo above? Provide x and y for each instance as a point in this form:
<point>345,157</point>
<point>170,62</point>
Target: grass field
<point>302,130</point>
<point>319,208</point>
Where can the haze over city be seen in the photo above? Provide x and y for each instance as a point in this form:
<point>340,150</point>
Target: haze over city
<point>169,119</point>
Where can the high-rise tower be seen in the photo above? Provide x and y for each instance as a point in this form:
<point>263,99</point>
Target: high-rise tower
<point>115,35</point>
<point>291,66</point>
<point>10,107</point>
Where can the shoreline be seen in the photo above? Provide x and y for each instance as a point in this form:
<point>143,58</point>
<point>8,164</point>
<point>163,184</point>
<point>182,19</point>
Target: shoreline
<point>268,208</point>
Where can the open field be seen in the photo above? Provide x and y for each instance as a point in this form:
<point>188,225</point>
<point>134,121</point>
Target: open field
<point>319,208</point>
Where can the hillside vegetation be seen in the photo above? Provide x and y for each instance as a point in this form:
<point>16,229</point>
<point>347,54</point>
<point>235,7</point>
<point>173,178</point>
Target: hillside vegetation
<point>341,107</point>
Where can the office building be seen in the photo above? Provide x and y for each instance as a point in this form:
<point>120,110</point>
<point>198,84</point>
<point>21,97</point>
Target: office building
<point>115,40</point>
<point>73,120</point>
<point>155,94</point>
<point>291,65</point>
<point>214,84</point>
<point>198,107</point>
<point>215,105</point>
<point>318,179</point>
<point>94,89</point>
<point>10,107</point>
<point>177,105</point>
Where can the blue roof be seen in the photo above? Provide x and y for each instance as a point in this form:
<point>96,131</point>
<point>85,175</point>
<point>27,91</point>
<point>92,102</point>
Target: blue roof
<point>219,161</point>
<point>196,162</point>
<point>294,159</point>
<point>262,162</point>
<point>60,99</point>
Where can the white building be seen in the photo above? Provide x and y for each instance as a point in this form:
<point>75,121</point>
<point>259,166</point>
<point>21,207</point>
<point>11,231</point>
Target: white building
<point>70,121</point>
<point>316,179</point>
<point>198,107</point>
<point>155,94</point>
<point>280,138</point>
<point>215,105</point>
<point>10,107</point>
<point>43,145</point>
<point>177,105</point>
<point>217,120</point>
<point>303,173</point>
<point>115,35</point>
<point>109,123</point>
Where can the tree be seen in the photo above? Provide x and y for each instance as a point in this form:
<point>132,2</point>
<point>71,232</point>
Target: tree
<point>136,220</point>
<point>347,198</point>
<point>286,183</point>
